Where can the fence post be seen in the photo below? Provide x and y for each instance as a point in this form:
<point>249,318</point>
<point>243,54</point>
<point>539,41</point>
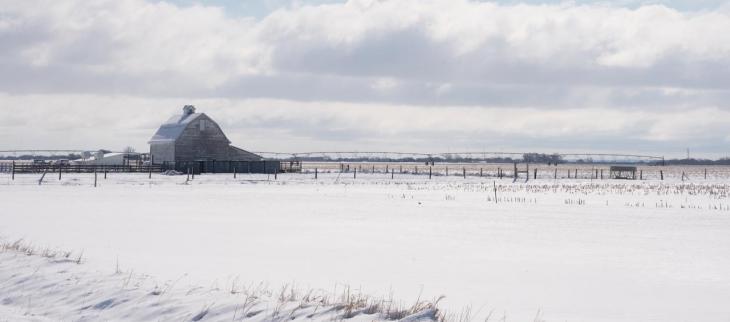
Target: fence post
<point>514,174</point>
<point>386,168</point>
<point>601,174</point>
<point>464,171</point>
<point>555,176</point>
<point>495,191</point>
<point>447,171</point>
<point>401,169</point>
<point>188,179</point>
<point>481,172</point>
<point>641,174</point>
<point>373,169</point>
<point>94,177</point>
<point>13,170</point>
<point>430,169</point>
<point>316,173</point>
<point>276,174</point>
<point>535,172</point>
<point>150,168</point>
<point>354,173</point>
<point>576,174</point>
<point>392,174</point>
<point>59,171</point>
<point>416,169</point>
<point>661,174</point>
<point>705,173</point>
<point>235,170</point>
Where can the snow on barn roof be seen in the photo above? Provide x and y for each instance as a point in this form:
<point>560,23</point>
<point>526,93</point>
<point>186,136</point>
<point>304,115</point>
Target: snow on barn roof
<point>174,127</point>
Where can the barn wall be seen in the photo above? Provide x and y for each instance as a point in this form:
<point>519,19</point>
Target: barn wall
<point>162,152</point>
<point>210,143</point>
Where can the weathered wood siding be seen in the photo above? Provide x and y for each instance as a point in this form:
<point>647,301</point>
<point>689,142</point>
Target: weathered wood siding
<point>163,152</point>
<point>202,143</point>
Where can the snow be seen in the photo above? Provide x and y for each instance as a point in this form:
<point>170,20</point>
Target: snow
<point>561,250</point>
<point>37,288</point>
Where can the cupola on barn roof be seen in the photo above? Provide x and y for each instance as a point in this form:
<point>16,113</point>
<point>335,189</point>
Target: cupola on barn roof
<point>193,136</point>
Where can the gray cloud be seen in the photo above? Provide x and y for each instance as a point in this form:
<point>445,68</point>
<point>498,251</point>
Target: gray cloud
<point>439,73</point>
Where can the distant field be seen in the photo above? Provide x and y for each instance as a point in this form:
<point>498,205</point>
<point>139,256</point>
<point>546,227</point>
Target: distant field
<point>584,171</point>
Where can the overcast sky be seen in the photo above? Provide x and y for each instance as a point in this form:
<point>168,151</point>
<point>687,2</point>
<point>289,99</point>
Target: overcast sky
<point>402,75</point>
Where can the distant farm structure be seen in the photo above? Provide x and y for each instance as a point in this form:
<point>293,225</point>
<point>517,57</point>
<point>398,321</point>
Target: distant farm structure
<point>195,142</point>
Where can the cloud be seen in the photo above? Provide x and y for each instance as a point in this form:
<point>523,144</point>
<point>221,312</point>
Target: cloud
<point>75,121</point>
<point>562,74</point>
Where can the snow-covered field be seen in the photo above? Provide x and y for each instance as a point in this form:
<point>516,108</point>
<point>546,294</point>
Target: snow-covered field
<point>553,250</point>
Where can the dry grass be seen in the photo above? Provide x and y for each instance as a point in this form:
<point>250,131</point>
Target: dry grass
<point>286,304</point>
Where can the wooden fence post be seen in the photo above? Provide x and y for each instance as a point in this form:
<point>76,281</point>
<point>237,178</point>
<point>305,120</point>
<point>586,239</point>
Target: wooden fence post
<point>392,174</point>
<point>661,174</point>
<point>495,191</point>
<point>94,177</point>
<point>514,174</point>
<point>276,174</point>
<point>576,174</point>
<point>481,172</point>
<point>705,173</point>
<point>535,174</point>
<point>641,174</point>
<point>555,175</point>
<point>235,170</point>
<point>354,173</point>
<point>150,168</point>
<point>429,172</point>
<point>13,170</point>
<point>316,173</point>
<point>464,171</point>
<point>447,171</point>
<point>59,171</point>
<point>601,174</point>
<point>416,169</point>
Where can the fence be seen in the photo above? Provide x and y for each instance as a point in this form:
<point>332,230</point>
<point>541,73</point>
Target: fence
<point>265,166</point>
<point>74,168</point>
<point>196,167</point>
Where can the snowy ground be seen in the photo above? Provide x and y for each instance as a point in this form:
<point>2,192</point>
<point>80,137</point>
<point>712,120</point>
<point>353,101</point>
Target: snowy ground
<point>566,250</point>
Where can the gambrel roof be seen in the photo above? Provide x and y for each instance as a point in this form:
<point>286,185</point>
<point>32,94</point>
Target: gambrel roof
<point>173,128</point>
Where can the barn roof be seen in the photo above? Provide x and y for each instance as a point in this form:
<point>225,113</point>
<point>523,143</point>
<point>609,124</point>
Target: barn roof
<point>174,127</point>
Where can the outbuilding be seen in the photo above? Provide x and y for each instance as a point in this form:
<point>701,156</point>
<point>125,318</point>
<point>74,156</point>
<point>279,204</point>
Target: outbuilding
<point>623,172</point>
<point>193,141</point>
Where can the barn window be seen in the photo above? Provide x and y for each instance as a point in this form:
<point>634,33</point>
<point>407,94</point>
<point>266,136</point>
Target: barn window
<point>202,125</point>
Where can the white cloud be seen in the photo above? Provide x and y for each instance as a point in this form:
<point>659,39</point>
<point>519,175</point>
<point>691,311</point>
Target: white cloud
<point>439,69</point>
